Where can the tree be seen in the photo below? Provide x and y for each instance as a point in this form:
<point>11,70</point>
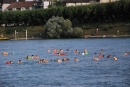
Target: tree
<point>58,27</point>
<point>77,32</point>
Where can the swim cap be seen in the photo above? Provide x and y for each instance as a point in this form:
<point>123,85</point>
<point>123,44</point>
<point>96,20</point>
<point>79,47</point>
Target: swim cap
<point>82,53</point>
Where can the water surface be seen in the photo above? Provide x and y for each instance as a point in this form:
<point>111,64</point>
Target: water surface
<point>106,72</point>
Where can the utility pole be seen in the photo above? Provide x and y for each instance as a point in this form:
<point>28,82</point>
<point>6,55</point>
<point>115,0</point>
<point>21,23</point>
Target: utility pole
<point>26,35</point>
<point>15,34</point>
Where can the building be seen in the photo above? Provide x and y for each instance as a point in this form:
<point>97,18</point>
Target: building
<point>85,2</point>
<point>5,3</point>
<point>21,6</point>
<point>28,5</point>
<point>75,2</point>
<point>107,1</point>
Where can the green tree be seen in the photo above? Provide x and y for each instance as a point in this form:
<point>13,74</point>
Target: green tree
<point>58,27</point>
<point>77,32</point>
<point>53,27</point>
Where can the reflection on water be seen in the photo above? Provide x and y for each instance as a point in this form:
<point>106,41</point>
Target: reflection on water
<point>106,72</point>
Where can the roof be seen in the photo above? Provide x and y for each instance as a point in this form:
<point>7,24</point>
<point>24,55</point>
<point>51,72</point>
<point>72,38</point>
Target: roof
<point>21,4</point>
<point>76,1</point>
<point>7,1</point>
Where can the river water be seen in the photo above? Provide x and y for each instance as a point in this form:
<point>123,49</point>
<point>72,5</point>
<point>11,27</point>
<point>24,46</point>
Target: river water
<point>106,72</point>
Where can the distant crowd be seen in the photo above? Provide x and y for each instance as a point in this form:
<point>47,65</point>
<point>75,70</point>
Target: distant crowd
<point>60,52</point>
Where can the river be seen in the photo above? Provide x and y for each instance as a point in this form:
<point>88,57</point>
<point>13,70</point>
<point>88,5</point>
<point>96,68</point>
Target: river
<point>105,72</point>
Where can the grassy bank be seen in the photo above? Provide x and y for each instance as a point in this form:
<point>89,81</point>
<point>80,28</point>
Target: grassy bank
<point>33,31</point>
<point>37,31</point>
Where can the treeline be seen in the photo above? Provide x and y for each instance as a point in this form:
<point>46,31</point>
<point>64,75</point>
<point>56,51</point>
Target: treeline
<point>105,12</point>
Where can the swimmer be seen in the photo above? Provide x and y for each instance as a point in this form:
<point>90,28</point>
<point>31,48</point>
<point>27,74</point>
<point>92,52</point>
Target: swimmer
<point>58,54</point>
<point>86,53</point>
<point>19,62</point>
<point>126,53</point>
<point>65,59</point>
<point>100,55</point>
<point>67,50</point>
<point>58,60</point>
<point>28,57</point>
<point>37,57</point>
<point>101,50</point>
<point>95,58</point>
<point>44,61</point>
<point>40,61</point>
<point>32,56</point>
<point>10,62</point>
<point>115,58</point>
<point>109,56</point>
<point>76,51</point>
<point>79,53</point>
<point>54,51</point>
<point>76,59</point>
<point>61,50</point>
<point>85,50</point>
<point>83,54</point>
<point>48,50</point>
<point>5,53</point>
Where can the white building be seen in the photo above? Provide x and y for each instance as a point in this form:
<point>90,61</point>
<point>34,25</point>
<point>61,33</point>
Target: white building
<point>85,2</point>
<point>28,5</point>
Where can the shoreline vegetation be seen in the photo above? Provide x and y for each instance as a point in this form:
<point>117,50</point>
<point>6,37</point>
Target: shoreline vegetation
<point>106,30</point>
<point>98,20</point>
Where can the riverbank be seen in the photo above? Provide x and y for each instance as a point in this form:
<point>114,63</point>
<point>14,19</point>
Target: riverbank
<point>108,36</point>
<point>118,29</point>
<point>35,38</point>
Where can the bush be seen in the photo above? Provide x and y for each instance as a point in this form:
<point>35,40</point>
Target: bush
<point>58,27</point>
<point>78,32</point>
